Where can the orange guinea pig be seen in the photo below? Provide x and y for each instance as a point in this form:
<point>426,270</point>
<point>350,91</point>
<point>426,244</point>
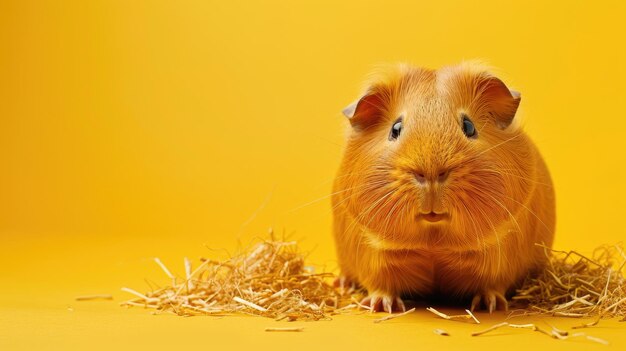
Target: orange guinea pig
<point>439,193</point>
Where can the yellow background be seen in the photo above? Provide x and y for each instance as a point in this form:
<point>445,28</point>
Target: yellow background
<point>134,129</point>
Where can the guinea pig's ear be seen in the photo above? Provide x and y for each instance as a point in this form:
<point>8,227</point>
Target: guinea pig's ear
<point>501,101</point>
<point>365,111</point>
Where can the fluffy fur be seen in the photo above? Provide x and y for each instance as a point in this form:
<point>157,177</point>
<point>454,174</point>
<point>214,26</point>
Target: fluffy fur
<point>494,189</point>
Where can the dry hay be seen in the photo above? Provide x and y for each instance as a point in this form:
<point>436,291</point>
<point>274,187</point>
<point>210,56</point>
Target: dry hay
<point>575,285</point>
<point>555,333</point>
<point>270,280</point>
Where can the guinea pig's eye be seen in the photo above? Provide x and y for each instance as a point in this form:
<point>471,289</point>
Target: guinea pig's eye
<point>395,129</point>
<point>468,127</point>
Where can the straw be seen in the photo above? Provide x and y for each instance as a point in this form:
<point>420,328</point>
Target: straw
<point>269,280</point>
<point>393,316</point>
<point>295,329</point>
<point>441,332</point>
<point>94,297</point>
<point>463,317</point>
<point>555,333</point>
<point>575,285</point>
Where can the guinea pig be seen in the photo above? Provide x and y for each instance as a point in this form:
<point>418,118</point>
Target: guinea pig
<point>439,192</point>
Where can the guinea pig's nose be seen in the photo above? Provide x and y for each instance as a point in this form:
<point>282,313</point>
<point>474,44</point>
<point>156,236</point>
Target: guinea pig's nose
<point>442,175</point>
<point>439,176</point>
<point>421,178</point>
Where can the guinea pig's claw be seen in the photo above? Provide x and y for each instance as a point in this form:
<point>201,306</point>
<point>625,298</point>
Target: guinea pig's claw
<point>383,303</point>
<point>492,300</point>
<point>475,302</point>
<point>387,304</point>
<point>345,285</point>
<point>400,304</point>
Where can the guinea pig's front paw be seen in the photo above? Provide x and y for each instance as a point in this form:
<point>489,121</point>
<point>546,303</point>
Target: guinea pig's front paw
<point>379,302</point>
<point>492,300</point>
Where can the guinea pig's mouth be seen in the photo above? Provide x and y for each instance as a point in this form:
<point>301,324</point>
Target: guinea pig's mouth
<point>433,217</point>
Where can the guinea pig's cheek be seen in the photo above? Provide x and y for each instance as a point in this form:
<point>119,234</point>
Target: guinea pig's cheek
<point>365,202</point>
<point>356,202</point>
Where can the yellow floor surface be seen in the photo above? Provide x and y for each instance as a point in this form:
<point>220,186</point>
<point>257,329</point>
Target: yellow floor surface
<point>57,322</point>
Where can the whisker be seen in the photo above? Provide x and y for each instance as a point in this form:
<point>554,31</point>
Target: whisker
<point>503,171</point>
<point>528,209</point>
<point>326,197</point>
<point>358,218</point>
<point>498,243</point>
<point>497,145</point>
<point>370,186</point>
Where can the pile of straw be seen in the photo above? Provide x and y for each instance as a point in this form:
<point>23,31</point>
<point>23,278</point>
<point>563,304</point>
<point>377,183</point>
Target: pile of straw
<point>270,280</point>
<point>574,285</point>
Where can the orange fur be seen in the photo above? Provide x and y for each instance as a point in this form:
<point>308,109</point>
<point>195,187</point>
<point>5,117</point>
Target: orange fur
<point>497,192</point>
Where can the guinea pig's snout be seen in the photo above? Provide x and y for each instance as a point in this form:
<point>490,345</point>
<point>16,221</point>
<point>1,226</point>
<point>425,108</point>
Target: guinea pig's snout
<point>431,207</point>
<point>423,178</point>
